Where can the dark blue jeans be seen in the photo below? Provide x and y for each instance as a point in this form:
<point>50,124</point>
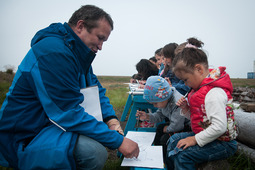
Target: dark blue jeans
<point>89,154</point>
<point>188,158</point>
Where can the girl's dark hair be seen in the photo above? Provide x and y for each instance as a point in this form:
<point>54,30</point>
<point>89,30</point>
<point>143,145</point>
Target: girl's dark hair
<point>153,59</point>
<point>146,69</point>
<point>90,14</point>
<point>168,50</point>
<point>158,52</point>
<point>190,56</point>
<point>167,68</point>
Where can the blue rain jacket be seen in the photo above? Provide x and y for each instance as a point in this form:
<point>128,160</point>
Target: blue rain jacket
<point>41,116</point>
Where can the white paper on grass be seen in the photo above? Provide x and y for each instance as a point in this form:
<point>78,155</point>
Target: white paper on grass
<point>91,102</point>
<point>149,156</point>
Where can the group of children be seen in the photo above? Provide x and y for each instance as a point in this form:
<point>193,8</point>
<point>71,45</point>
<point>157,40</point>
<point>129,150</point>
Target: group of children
<point>199,126</point>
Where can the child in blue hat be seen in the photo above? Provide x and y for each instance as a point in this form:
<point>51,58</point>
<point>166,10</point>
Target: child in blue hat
<point>158,92</point>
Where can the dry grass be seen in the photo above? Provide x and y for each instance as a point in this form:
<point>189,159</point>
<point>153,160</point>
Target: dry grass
<point>243,83</point>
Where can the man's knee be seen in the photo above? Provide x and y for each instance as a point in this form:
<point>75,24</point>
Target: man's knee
<point>89,154</point>
<point>98,159</point>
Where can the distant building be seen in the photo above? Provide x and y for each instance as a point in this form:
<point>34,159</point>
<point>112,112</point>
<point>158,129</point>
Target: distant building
<point>251,75</point>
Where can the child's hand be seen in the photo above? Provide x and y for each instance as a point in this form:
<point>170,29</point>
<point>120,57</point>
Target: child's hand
<point>141,115</point>
<point>183,104</point>
<point>141,86</point>
<point>142,82</point>
<point>165,128</point>
<point>187,142</point>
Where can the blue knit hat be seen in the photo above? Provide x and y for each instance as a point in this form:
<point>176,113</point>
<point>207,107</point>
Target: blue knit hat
<point>157,89</point>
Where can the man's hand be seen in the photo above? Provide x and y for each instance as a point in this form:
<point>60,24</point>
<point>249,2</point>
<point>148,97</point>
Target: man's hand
<point>129,148</point>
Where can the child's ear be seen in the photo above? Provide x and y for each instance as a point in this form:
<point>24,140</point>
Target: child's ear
<point>199,68</point>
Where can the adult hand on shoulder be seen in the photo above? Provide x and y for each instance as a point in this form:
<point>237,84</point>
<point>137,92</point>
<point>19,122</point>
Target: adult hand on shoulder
<point>129,148</point>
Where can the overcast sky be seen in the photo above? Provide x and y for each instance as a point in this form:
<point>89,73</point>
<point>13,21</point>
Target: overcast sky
<point>227,28</point>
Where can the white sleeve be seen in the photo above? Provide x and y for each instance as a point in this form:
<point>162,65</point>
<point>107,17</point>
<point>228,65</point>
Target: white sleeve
<point>215,106</point>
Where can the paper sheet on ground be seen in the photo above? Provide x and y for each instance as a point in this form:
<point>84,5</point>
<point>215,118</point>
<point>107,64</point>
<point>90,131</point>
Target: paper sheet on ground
<point>149,156</point>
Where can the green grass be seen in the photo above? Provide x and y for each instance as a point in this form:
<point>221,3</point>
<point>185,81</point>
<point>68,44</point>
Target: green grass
<point>243,83</point>
<point>4,168</point>
<point>239,161</point>
<point>114,165</point>
<point>4,87</point>
<point>119,79</point>
<point>118,97</point>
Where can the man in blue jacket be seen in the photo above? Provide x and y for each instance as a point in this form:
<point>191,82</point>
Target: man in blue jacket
<point>42,124</point>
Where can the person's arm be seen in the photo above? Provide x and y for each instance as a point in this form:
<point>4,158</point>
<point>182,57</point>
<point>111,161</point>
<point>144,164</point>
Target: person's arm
<point>129,148</point>
<point>183,104</point>
<point>156,117</point>
<point>108,113</point>
<point>215,106</point>
<point>58,89</point>
<point>176,121</point>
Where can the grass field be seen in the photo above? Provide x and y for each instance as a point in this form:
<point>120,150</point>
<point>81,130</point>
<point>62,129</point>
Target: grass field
<point>117,92</point>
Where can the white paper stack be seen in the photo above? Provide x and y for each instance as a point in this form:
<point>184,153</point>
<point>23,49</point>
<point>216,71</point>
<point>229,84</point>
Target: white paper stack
<point>149,156</point>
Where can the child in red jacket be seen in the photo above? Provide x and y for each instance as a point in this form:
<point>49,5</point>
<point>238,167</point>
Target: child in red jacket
<point>208,108</point>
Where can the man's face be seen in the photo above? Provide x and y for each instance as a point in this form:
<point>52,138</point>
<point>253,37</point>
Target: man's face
<point>97,36</point>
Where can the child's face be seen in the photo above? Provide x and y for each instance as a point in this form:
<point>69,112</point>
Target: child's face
<point>192,80</point>
<point>160,105</point>
<point>168,61</point>
<point>159,60</point>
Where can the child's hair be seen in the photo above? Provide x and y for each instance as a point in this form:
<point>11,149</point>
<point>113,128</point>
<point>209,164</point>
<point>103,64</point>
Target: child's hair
<point>153,59</point>
<point>158,52</point>
<point>189,54</point>
<point>146,69</point>
<point>136,76</point>
<point>168,50</point>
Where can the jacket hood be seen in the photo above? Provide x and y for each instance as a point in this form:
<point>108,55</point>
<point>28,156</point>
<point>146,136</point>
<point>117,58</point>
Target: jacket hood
<point>72,41</point>
<point>218,78</point>
<point>54,30</point>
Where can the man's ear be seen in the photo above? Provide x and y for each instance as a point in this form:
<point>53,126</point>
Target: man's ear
<point>79,26</point>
